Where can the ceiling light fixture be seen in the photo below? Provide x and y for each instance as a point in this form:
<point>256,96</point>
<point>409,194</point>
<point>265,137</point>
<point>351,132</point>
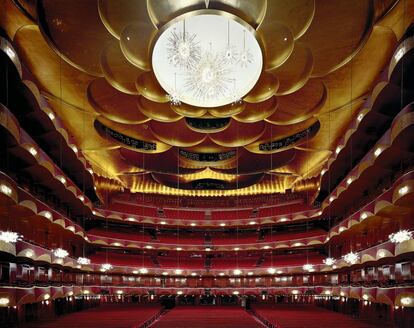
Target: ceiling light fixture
<point>330,261</point>
<point>400,236</point>
<point>197,70</point>
<point>351,258</point>
<point>83,261</point>
<point>60,253</point>
<point>9,236</point>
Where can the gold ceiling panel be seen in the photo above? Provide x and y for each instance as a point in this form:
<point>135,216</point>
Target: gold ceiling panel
<point>188,110</point>
<point>297,15</point>
<point>75,30</point>
<point>338,30</point>
<point>229,110</point>
<point>279,46</point>
<point>278,132</point>
<point>177,133</point>
<point>300,105</point>
<point>264,89</point>
<point>136,131</point>
<point>148,86</point>
<point>53,75</point>
<point>117,14</point>
<point>319,57</point>
<point>356,77</point>
<point>117,70</point>
<point>114,104</point>
<point>296,71</point>
<point>135,43</point>
<point>255,112</point>
<point>11,18</point>
<point>161,12</point>
<point>238,134</point>
<point>158,111</point>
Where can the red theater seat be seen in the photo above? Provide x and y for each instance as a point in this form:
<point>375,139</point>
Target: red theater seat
<point>207,317</point>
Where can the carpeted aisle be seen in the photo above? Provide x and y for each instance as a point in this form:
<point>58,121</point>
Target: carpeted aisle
<point>207,317</point>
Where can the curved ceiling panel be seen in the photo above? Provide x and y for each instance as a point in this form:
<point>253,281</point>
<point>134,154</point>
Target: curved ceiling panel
<point>162,12</point>
<point>117,70</point>
<point>207,146</point>
<point>264,89</point>
<point>277,48</point>
<point>207,183</point>
<point>338,31</point>
<point>238,134</point>
<point>300,105</point>
<point>176,133</point>
<point>53,75</point>
<point>113,104</point>
<point>117,14</point>
<point>137,137</point>
<point>297,15</point>
<point>227,111</point>
<point>255,112</point>
<point>188,110</point>
<point>75,31</point>
<point>148,86</point>
<point>249,163</point>
<point>287,136</point>
<point>158,111</point>
<point>295,72</point>
<point>251,12</point>
<point>135,43</point>
<point>166,162</point>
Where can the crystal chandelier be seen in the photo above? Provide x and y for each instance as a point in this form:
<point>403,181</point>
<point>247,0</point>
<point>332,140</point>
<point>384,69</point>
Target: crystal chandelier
<point>271,270</point>
<point>200,70</point>
<point>106,267</point>
<point>60,253</point>
<point>351,258</point>
<point>9,236</point>
<point>83,261</point>
<point>400,236</point>
<point>330,261</point>
<point>308,267</point>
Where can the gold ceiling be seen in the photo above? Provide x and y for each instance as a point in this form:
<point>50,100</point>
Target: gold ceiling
<point>92,62</point>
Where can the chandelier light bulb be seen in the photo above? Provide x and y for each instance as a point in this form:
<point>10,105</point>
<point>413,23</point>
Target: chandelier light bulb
<point>400,236</point>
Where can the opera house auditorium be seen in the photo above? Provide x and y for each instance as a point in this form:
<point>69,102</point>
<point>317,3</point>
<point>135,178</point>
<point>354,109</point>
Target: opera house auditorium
<point>206,163</point>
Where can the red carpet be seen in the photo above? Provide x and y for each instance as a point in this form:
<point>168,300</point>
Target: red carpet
<point>307,316</point>
<point>106,316</point>
<point>207,317</point>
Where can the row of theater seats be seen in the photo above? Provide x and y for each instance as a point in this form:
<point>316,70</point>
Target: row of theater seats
<point>207,317</point>
<point>384,275</point>
<point>125,315</point>
<point>306,315</point>
<point>190,214</point>
<point>210,238</point>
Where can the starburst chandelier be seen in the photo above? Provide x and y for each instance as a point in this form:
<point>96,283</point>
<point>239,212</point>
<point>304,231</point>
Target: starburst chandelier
<point>400,236</point>
<point>9,236</point>
<point>106,267</point>
<point>351,258</point>
<point>199,70</point>
<point>330,261</point>
<point>83,261</point>
<point>308,267</point>
<point>60,253</point>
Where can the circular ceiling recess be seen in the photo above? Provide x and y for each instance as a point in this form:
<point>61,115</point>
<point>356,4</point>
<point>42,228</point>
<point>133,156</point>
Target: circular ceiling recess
<point>207,58</point>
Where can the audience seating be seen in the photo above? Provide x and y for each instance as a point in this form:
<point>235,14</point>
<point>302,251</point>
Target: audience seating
<point>306,315</point>
<point>207,317</point>
<point>126,315</point>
